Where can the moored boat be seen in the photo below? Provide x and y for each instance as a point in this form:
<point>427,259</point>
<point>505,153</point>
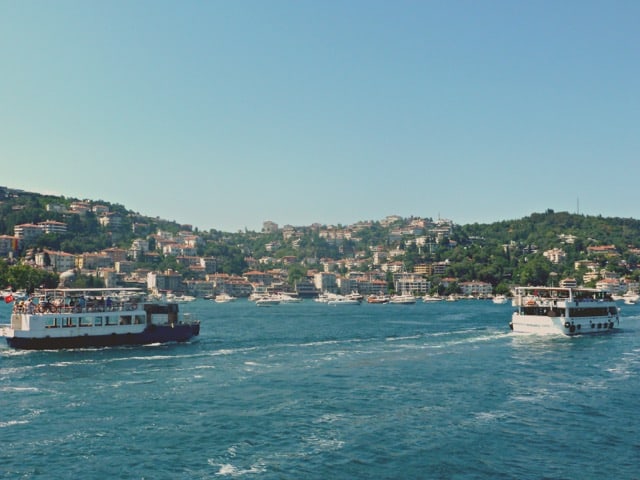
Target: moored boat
<point>97,317</point>
<point>402,299</point>
<point>224,297</point>
<point>343,300</point>
<point>431,298</point>
<point>379,298</point>
<point>500,299</point>
<point>562,310</point>
<point>268,301</point>
<point>288,297</point>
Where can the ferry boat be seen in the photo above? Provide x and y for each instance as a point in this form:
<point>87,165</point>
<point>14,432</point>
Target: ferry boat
<point>97,317</point>
<point>563,310</point>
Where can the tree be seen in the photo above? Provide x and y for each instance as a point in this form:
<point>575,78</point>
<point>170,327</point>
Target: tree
<point>29,278</point>
<point>535,271</point>
<point>296,273</point>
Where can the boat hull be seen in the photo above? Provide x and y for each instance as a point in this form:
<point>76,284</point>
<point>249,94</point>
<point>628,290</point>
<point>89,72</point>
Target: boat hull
<point>545,325</point>
<point>151,334</point>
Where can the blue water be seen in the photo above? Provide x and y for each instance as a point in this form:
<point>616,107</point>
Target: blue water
<point>312,391</point>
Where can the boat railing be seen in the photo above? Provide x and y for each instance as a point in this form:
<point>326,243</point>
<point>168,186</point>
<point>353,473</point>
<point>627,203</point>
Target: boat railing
<point>44,308</point>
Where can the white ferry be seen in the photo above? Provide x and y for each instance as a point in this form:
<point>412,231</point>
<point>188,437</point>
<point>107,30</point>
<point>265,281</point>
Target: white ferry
<point>569,311</point>
<point>97,317</point>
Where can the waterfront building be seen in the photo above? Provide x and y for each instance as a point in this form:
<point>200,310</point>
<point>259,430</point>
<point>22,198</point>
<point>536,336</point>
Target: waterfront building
<point>410,283</point>
<point>325,282</point>
<point>476,289</point>
<point>167,281</point>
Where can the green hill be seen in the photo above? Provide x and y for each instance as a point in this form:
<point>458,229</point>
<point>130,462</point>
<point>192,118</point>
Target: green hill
<point>501,253</point>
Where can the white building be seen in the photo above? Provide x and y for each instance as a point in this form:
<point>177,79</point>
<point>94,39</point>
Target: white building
<point>51,226</point>
<point>410,283</point>
<point>325,282</point>
<point>27,232</point>
<point>555,255</point>
<point>57,261</point>
<point>476,288</point>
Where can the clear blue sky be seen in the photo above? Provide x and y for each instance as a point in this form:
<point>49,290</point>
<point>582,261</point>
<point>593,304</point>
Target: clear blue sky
<point>224,114</point>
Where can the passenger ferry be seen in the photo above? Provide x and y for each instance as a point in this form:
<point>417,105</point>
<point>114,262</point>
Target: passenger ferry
<point>97,317</point>
<point>568,311</point>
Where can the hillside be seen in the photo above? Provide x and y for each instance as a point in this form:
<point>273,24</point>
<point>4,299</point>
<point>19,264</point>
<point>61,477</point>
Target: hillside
<point>501,253</point>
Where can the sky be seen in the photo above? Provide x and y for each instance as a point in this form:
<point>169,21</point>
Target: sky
<point>226,114</point>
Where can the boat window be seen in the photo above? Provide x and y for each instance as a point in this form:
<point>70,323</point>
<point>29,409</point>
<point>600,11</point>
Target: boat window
<point>85,321</point>
<point>69,322</point>
<point>590,312</point>
<point>97,321</point>
<point>125,319</point>
<point>51,323</point>
<point>109,320</point>
<point>139,319</point>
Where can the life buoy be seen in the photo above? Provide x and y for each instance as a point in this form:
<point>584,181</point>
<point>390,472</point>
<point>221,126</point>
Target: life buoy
<point>531,302</point>
<point>567,324</point>
<point>572,329</point>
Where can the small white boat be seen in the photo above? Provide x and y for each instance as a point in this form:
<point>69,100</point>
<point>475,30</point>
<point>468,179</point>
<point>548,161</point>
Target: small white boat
<point>356,296</point>
<point>430,298</point>
<point>259,291</point>
<point>172,297</point>
<point>268,301</point>
<point>380,298</point>
<point>286,297</point>
<point>326,297</point>
<point>500,299</point>
<point>403,299</point>
<point>224,298</point>
<point>343,300</point>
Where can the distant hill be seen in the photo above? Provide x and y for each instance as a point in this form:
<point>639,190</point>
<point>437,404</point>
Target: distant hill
<point>501,253</point>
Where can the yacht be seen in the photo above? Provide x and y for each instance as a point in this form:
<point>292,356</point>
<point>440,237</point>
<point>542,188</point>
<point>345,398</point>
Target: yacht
<point>224,297</point>
<point>403,299</point>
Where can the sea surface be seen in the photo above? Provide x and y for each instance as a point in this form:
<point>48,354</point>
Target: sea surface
<point>312,391</point>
